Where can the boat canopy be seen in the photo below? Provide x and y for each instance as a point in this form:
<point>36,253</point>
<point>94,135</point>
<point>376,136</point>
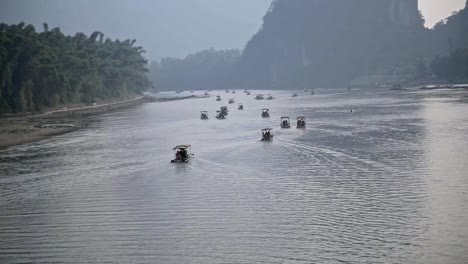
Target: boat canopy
<point>267,129</point>
<point>285,117</point>
<point>265,109</point>
<point>300,117</point>
<point>203,112</point>
<point>181,147</point>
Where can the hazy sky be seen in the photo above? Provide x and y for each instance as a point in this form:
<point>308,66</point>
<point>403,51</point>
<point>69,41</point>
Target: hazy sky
<point>168,27</point>
<point>436,10</point>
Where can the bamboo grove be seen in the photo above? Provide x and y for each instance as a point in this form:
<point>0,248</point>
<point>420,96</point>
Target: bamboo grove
<point>45,69</point>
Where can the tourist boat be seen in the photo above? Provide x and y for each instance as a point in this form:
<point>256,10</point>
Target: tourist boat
<point>233,91</point>
<point>203,115</point>
<point>301,122</point>
<point>259,97</point>
<point>241,107</point>
<point>224,110</point>
<point>218,98</point>
<point>285,123</point>
<point>206,93</point>
<point>247,93</point>
<point>183,153</point>
<point>294,95</point>
<point>265,113</point>
<point>312,93</point>
<point>266,134</point>
<point>270,98</point>
<point>231,101</point>
<point>220,115</point>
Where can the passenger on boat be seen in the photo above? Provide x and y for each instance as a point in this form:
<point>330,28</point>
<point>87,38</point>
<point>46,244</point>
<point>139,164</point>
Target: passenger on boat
<point>183,153</point>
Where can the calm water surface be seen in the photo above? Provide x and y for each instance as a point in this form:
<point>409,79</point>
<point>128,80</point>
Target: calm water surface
<point>387,183</point>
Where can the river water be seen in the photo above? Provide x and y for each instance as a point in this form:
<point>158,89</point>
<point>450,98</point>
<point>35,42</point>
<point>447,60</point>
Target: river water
<point>386,183</point>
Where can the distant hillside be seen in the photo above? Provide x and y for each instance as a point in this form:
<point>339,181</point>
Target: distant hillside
<point>305,43</point>
<point>207,69</point>
<point>449,42</point>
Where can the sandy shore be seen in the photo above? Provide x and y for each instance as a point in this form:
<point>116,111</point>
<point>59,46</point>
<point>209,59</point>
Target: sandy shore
<point>15,130</point>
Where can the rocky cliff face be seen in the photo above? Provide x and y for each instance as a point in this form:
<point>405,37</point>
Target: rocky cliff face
<point>305,43</point>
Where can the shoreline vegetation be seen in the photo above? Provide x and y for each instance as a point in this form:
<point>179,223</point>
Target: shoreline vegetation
<point>21,129</point>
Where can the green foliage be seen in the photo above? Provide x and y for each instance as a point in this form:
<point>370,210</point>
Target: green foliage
<point>47,69</point>
<point>208,69</point>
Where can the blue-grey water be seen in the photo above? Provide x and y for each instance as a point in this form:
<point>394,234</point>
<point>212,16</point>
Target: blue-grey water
<point>386,183</point>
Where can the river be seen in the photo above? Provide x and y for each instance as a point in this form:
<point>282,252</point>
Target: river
<point>386,183</point>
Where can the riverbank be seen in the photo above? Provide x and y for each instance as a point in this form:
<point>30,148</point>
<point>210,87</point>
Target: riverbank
<point>20,129</point>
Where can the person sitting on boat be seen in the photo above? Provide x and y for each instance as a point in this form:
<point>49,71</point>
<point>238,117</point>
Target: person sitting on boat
<point>184,154</point>
<point>178,155</point>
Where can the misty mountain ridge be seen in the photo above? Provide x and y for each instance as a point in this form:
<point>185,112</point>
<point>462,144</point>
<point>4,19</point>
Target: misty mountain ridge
<point>309,43</point>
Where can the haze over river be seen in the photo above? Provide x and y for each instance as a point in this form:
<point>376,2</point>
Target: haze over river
<point>387,183</point>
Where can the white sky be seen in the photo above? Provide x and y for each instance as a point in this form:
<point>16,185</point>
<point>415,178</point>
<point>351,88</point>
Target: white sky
<point>436,10</point>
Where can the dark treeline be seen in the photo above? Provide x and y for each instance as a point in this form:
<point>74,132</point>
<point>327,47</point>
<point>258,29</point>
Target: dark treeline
<point>207,69</point>
<point>47,69</point>
<point>451,36</point>
<point>309,43</point>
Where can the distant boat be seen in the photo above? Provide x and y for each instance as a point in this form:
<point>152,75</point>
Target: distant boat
<point>220,115</point>
<point>285,123</point>
<point>301,123</point>
<point>224,110</point>
<point>266,134</point>
<point>265,113</point>
<point>183,153</point>
<point>294,95</point>
<point>204,115</point>
<point>259,97</point>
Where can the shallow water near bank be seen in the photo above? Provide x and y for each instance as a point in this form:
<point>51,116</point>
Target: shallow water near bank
<point>386,183</point>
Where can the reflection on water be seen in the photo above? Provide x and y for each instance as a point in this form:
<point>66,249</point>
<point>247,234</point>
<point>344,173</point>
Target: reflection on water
<point>386,183</point>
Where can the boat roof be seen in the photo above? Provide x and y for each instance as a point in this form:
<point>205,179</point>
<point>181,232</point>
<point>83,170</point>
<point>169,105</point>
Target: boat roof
<point>182,147</point>
<point>285,117</point>
<point>301,117</point>
<point>203,111</point>
<point>240,103</point>
<point>265,109</point>
<point>267,129</point>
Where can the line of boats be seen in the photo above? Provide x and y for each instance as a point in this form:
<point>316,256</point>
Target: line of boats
<point>183,153</point>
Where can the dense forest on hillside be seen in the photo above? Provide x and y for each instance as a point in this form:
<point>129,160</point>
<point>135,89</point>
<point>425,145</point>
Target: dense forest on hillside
<point>308,43</point>
<point>450,45</point>
<point>207,69</point>
<point>46,69</point>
